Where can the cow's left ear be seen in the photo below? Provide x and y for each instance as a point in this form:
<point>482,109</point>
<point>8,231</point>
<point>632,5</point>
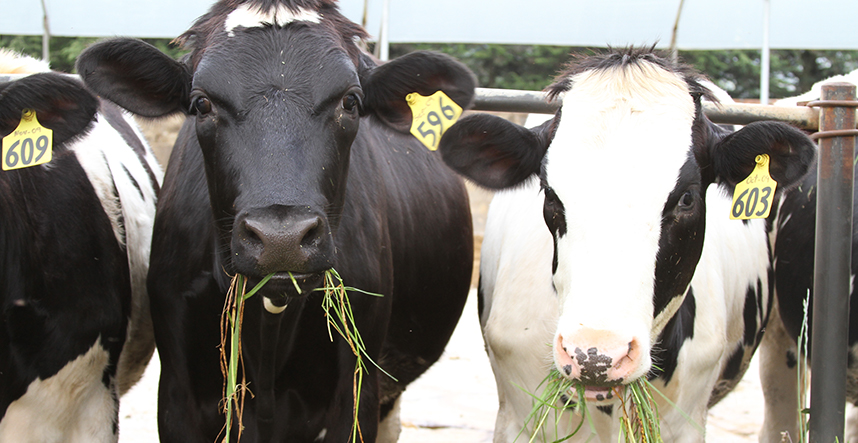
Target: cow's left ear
<point>791,153</point>
<point>424,72</point>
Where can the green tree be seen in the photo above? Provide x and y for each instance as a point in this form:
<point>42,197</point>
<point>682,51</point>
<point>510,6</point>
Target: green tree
<point>791,71</point>
<point>64,50</point>
<point>737,71</point>
<point>533,67</point>
<point>527,67</point>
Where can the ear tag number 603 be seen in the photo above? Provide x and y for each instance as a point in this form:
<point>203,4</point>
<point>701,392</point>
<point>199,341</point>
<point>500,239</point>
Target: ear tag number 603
<point>28,145</point>
<point>432,116</point>
<point>753,196</point>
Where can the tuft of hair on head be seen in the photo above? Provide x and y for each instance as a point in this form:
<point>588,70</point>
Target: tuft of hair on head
<point>13,62</point>
<point>622,58</point>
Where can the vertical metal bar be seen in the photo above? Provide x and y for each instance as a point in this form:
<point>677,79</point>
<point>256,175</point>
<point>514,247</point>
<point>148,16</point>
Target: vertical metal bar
<point>46,34</point>
<point>832,268</point>
<point>765,58</point>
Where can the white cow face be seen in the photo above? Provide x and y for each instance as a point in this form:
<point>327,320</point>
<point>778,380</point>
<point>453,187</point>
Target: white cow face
<point>624,166</point>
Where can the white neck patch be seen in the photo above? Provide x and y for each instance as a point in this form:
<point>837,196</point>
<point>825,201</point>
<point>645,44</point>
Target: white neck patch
<point>249,17</point>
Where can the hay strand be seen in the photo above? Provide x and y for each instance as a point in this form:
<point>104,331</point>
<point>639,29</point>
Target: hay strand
<point>339,316</point>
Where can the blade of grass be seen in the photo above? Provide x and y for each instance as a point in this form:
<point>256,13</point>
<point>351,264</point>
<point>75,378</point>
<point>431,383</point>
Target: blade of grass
<point>339,315</point>
<point>801,371</point>
<point>640,420</point>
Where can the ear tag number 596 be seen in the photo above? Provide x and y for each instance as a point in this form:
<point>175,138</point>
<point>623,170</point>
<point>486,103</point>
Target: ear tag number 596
<point>432,116</point>
<point>28,145</point>
<point>753,196</point>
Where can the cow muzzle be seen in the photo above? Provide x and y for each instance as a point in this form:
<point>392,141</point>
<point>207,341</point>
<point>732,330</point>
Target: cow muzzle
<point>601,361</point>
<point>292,242</point>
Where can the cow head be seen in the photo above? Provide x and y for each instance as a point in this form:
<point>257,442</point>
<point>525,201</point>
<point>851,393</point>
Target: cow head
<point>624,166</point>
<point>277,91</point>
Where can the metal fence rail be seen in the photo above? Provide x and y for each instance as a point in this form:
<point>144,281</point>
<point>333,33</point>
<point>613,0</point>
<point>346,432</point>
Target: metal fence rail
<point>512,100</point>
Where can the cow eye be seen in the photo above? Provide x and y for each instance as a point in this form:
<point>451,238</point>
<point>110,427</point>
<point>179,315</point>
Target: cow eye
<point>202,106</point>
<point>687,200</point>
<point>554,213</point>
<point>351,103</point>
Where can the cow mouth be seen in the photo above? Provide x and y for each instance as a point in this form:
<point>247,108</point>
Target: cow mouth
<point>602,394</point>
<point>284,286</point>
<point>595,395</point>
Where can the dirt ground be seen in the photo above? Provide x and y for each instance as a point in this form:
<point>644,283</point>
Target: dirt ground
<point>456,400</point>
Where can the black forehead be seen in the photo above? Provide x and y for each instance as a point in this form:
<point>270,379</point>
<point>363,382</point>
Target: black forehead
<point>209,30</point>
<point>300,57</point>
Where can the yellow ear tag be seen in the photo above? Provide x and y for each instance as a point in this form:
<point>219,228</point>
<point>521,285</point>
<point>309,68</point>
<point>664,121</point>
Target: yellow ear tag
<point>753,196</point>
<point>28,145</point>
<point>432,116</point>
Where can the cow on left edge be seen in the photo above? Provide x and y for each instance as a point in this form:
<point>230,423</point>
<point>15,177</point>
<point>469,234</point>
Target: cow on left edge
<point>75,330</point>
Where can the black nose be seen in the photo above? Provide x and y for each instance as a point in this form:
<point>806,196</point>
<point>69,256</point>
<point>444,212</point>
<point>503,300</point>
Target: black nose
<point>280,239</point>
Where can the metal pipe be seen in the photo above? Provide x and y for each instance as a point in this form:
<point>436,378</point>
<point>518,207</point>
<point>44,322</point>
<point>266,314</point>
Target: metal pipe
<point>674,52</point>
<point>832,270</point>
<point>512,100</point>
<point>46,34</point>
<point>765,60</point>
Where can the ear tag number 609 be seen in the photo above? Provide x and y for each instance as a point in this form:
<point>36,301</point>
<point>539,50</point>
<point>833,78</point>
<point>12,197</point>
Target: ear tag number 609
<point>432,116</point>
<point>28,145</point>
<point>753,196</point>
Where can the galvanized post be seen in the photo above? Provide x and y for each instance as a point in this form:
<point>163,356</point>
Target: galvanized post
<point>832,262</point>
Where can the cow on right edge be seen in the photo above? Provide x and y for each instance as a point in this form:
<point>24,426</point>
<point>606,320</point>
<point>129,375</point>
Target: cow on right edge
<point>609,209</point>
<point>794,233</point>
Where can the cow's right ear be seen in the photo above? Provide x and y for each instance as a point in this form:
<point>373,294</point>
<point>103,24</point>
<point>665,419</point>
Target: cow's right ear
<point>136,76</point>
<point>493,152</point>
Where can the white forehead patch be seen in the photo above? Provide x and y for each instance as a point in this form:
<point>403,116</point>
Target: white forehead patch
<point>249,17</point>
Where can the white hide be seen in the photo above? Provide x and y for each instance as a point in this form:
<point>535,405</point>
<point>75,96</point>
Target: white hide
<point>248,16</point>
<point>70,407</point>
<point>619,147</point>
<point>108,161</point>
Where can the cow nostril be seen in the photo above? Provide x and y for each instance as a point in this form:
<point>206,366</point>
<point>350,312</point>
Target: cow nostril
<point>312,235</point>
<point>251,233</point>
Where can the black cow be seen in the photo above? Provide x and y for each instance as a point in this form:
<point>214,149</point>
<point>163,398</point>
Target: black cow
<point>75,331</point>
<point>295,158</point>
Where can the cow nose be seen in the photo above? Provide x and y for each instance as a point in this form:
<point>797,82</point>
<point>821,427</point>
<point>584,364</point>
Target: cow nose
<point>279,241</point>
<point>606,361</point>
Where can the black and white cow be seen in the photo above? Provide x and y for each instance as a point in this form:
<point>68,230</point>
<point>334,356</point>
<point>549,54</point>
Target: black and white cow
<point>295,158</point>
<point>793,234</point>
<point>621,178</point>
<point>75,331</point>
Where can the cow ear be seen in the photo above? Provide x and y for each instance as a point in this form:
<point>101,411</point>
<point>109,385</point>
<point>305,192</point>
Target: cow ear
<point>791,153</point>
<point>62,105</point>
<point>136,76</point>
<point>494,152</point>
<point>386,86</point>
